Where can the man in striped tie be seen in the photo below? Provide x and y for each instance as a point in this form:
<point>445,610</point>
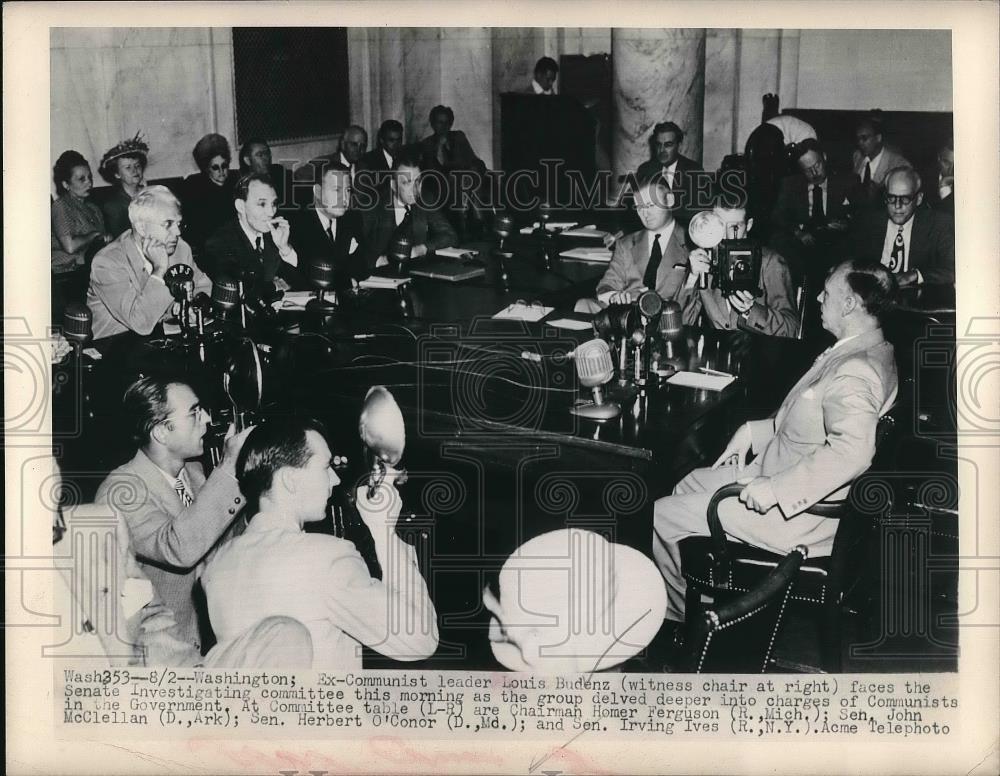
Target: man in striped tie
<point>175,515</point>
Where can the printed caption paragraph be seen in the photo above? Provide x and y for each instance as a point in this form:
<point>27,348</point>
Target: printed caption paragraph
<point>185,702</point>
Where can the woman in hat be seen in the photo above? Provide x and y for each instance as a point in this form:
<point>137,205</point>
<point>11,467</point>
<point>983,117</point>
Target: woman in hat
<point>208,194</point>
<point>78,230</point>
<point>124,167</point>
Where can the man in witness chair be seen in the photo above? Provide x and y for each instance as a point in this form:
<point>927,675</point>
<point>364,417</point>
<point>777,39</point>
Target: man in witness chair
<point>912,240</point>
<point>774,312</point>
<point>820,439</point>
<point>398,212</point>
<point>174,516</point>
<point>653,258</point>
<point>254,244</point>
<point>328,230</point>
<point>276,569</point>
<point>127,290</point>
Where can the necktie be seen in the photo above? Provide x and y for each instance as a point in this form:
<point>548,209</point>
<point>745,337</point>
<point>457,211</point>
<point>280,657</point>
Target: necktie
<point>897,257</point>
<point>332,231</point>
<point>867,177</point>
<point>260,244</point>
<point>182,492</point>
<point>818,216</point>
<point>655,257</point>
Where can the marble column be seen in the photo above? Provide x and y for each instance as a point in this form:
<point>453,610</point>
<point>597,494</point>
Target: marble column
<point>659,75</point>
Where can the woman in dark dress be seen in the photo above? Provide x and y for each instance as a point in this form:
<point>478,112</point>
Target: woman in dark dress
<point>124,167</point>
<point>207,201</point>
<point>77,229</point>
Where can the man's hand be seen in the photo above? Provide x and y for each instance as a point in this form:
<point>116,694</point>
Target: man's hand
<point>737,449</point>
<point>418,251</point>
<point>622,297</point>
<point>741,301</point>
<point>381,261</point>
<point>610,239</point>
<point>157,254</point>
<point>231,448</point>
<point>700,261</point>
<point>280,231</point>
<point>758,495</point>
<point>381,511</point>
<point>906,279</point>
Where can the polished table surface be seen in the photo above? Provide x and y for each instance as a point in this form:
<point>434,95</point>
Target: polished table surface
<point>494,454</point>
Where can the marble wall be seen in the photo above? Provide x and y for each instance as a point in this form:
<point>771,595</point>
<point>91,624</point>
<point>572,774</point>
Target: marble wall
<point>176,84</point>
<point>173,84</point>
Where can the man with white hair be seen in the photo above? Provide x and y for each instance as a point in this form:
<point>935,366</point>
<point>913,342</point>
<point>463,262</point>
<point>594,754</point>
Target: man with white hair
<point>127,288</point>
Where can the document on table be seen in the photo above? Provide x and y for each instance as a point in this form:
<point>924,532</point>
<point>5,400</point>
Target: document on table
<point>701,380</point>
<point>586,231</point>
<point>569,323</point>
<point>523,312</point>
<point>588,254</point>
<point>380,281</point>
<point>456,253</point>
<point>552,226</point>
<point>296,300</point>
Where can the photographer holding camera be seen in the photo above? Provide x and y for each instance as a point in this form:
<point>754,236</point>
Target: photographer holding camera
<point>769,308</point>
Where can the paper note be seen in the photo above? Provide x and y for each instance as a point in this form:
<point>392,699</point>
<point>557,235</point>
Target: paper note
<point>377,281</point>
<point>586,231</point>
<point>296,300</point>
<point>588,254</point>
<point>569,323</point>
<point>456,253</point>
<point>523,312</point>
<point>552,226</point>
<point>701,380</point>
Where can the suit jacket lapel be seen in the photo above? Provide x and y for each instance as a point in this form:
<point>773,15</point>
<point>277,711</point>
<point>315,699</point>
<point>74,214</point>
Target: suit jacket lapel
<point>673,253</point>
<point>156,483</point>
<point>919,238</point>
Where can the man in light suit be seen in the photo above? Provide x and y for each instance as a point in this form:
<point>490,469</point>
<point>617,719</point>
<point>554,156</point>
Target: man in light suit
<point>652,258</point>
<point>275,569</point>
<point>873,160</point>
<point>127,288</point>
<point>913,241</point>
<point>774,312</point>
<point>174,516</point>
<point>821,438</point>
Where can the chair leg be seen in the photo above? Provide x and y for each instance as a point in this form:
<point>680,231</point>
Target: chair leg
<point>831,633</point>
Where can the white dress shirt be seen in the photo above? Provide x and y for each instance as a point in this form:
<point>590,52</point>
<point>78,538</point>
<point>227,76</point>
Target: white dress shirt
<point>874,165</point>
<point>891,230</point>
<point>326,223</point>
<point>537,88</point>
<point>668,174</point>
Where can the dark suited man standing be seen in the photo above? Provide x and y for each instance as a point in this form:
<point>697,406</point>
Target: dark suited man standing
<point>676,169</point>
<point>328,230</point>
<point>914,242</point>
<point>399,212</point>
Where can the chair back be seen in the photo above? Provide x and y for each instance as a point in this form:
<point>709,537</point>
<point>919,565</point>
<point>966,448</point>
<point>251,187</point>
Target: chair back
<point>737,633</point>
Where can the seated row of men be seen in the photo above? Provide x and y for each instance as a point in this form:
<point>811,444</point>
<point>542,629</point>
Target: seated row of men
<point>280,597</point>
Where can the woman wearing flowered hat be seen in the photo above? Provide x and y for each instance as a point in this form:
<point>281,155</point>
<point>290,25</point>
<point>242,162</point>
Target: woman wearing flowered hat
<point>124,167</point>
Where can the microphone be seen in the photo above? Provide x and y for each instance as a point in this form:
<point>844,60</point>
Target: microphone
<point>503,226</point>
<point>322,274</point>
<point>383,433</point>
<point>78,324</point>
<point>650,304</point>
<point>226,294</point>
<point>401,250</point>
<point>179,279</point>
<point>671,327</point>
<point>595,368</point>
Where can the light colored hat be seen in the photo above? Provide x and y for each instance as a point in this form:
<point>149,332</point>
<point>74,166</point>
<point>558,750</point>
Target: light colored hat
<point>571,601</point>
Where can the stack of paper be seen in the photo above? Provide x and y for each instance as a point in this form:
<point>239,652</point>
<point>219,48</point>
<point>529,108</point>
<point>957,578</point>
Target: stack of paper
<point>296,300</point>
<point>523,312</point>
<point>588,254</point>
<point>381,281</point>
<point>586,231</point>
<point>456,253</point>
<point>552,226</point>
<point>701,380</point>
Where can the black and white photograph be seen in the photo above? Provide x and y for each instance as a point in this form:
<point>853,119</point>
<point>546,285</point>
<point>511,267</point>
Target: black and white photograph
<point>505,384</point>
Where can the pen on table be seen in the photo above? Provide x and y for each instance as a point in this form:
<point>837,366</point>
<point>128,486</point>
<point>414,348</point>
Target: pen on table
<point>716,372</point>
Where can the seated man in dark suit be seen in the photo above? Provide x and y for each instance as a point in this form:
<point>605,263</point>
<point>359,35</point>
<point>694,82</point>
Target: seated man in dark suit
<point>353,143</point>
<point>399,212</point>
<point>328,230</point>
<point>774,313</point>
<point>457,174</point>
<point>545,75</point>
<point>389,142</point>
<point>675,168</point>
<point>652,258</point>
<point>255,243</point>
<point>945,195</point>
<point>811,213</point>
<point>255,156</point>
<point>873,159</point>
<point>916,243</point>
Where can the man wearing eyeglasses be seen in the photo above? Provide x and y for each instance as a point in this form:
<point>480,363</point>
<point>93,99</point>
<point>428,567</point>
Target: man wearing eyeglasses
<point>173,513</point>
<point>913,241</point>
<point>127,288</point>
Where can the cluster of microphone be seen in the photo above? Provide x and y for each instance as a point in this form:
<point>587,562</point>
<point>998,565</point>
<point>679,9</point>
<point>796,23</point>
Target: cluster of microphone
<point>632,331</point>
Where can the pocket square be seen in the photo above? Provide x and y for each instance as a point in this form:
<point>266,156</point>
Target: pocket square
<point>353,247</point>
